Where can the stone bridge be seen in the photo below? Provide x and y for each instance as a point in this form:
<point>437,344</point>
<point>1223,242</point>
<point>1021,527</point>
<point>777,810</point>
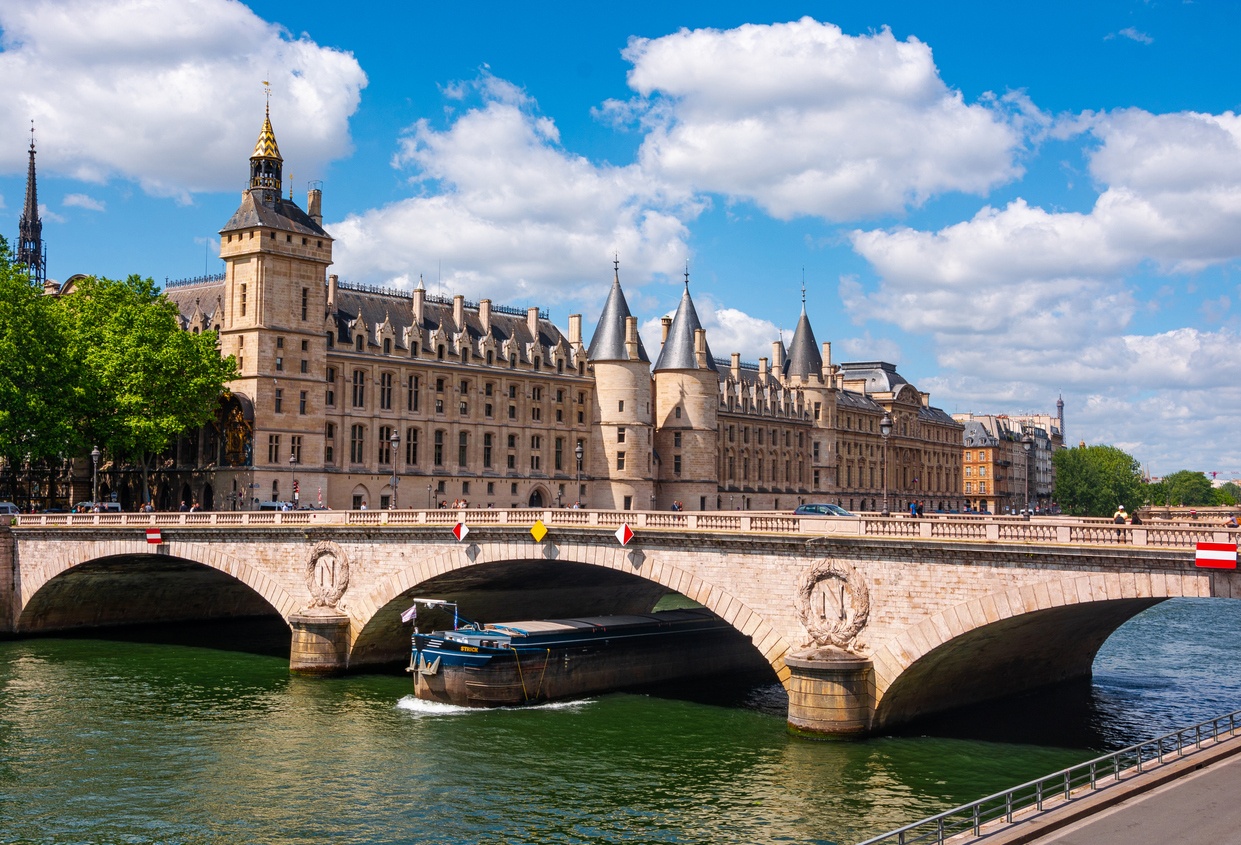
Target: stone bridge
<point>868,622</point>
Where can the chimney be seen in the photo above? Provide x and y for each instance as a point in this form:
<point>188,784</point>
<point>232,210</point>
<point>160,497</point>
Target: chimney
<point>333,285</point>
<point>420,301</point>
<point>631,338</point>
<point>827,359</point>
<point>575,329</point>
<point>666,322</point>
<point>734,366</point>
<point>777,356</point>
<point>458,312</point>
<point>314,203</point>
<point>762,371</point>
<point>700,348</point>
<point>484,314</point>
<point>532,322</point>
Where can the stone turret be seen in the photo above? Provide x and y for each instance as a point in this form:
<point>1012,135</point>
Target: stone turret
<point>623,435</point>
<point>686,411</point>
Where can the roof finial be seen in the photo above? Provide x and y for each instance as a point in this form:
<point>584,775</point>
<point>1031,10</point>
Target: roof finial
<point>267,91</point>
<point>687,275</point>
<point>616,265</point>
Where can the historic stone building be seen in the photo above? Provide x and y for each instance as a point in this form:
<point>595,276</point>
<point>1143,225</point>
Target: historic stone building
<point>352,396</point>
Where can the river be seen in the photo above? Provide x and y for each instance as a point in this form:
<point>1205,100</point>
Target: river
<point>126,741</point>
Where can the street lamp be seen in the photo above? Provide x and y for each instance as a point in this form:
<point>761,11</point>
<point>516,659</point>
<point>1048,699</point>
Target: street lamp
<point>885,428</point>
<point>1027,443</point>
<point>395,440</point>
<point>94,477</point>
<point>578,452</point>
<point>293,467</point>
<point>428,497</point>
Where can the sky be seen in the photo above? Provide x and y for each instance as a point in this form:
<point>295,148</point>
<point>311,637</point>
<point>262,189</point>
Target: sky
<point>1012,202</point>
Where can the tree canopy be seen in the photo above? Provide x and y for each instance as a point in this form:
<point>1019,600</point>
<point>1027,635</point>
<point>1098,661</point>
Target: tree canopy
<point>1094,480</point>
<point>105,365</point>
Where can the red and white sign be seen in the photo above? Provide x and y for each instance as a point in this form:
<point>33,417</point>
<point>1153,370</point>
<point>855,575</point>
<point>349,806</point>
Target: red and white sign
<point>154,537</point>
<point>1216,555</point>
<point>460,530</point>
<point>624,534</point>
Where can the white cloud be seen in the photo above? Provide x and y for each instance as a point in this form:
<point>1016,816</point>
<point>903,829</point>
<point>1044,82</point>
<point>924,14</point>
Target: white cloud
<point>728,330</point>
<point>805,120</point>
<point>505,212</point>
<point>49,216</point>
<point>166,94</point>
<point>1136,35</point>
<point>84,201</point>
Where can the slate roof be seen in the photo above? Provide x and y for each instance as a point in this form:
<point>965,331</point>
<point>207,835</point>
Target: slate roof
<point>282,214</point>
<point>608,341</point>
<point>880,376</point>
<point>803,358</point>
<point>678,350</point>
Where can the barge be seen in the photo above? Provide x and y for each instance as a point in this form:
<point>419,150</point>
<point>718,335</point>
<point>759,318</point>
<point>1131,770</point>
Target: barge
<point>515,663</point>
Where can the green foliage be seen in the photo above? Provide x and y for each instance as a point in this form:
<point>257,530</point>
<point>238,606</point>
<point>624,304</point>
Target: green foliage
<point>1229,494</point>
<point>37,403</point>
<point>143,379</point>
<point>1184,487</point>
<point>1094,480</point>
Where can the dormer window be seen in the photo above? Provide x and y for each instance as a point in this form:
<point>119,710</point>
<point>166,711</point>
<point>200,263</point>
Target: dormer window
<point>357,343</point>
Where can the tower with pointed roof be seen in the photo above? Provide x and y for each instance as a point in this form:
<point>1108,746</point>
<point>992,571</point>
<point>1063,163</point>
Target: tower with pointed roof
<point>807,369</point>
<point>622,433</point>
<point>30,250</point>
<point>275,309</point>
<point>687,398</point>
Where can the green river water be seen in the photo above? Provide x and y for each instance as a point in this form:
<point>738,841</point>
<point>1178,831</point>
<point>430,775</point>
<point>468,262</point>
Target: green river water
<point>125,741</point>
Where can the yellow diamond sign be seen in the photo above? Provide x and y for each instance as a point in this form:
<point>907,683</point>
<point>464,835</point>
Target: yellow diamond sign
<point>538,531</point>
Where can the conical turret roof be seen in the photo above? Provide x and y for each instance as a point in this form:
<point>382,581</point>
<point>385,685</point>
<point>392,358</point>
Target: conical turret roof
<point>804,359</point>
<point>266,146</point>
<point>678,351</point>
<point>608,341</point>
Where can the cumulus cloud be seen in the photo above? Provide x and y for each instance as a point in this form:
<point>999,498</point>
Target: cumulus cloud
<point>805,120</point>
<point>166,94</point>
<point>83,201</point>
<point>728,330</point>
<point>504,211</point>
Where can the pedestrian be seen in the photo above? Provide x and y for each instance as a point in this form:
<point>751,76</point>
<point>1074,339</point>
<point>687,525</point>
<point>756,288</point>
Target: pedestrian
<point>1120,517</point>
<point>1232,521</point>
<point>1136,520</point>
<point>364,504</point>
<point>920,511</point>
<point>184,507</point>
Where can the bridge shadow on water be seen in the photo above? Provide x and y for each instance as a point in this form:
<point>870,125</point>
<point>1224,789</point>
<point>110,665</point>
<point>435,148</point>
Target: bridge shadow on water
<point>267,636</point>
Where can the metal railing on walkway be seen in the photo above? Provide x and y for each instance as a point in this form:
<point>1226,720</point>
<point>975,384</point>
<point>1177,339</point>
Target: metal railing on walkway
<point>1062,786</point>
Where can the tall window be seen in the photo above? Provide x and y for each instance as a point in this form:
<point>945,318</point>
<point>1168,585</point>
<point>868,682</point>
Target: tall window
<point>331,387</point>
<point>385,444</point>
<point>439,447</point>
<point>357,441</point>
<point>301,402</point>
<point>487,451</point>
<point>559,453</point>
<point>273,448</point>
<point>295,447</point>
<point>411,396</point>
<point>359,388</point>
<point>620,460</point>
<point>305,302</point>
<point>463,439</point>
<point>411,447</point>
<point>279,399</point>
<point>385,391</point>
<point>329,443</point>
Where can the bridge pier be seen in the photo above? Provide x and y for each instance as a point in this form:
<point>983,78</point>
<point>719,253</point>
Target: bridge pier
<point>830,696</point>
<point>320,644</point>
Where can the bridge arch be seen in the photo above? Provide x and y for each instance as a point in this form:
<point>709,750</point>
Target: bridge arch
<point>1012,641</point>
<point>374,616</point>
<point>70,556</point>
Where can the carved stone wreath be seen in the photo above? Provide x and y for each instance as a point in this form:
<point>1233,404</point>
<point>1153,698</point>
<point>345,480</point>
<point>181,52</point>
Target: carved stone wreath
<point>327,574</point>
<point>842,628</point>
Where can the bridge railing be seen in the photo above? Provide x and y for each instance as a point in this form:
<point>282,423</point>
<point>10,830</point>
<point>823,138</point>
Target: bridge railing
<point>949,528</point>
<point>1060,787</point>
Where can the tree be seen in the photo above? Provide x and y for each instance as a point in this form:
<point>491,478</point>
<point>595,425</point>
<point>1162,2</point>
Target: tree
<point>1185,487</point>
<point>1094,480</point>
<point>1229,494</point>
<point>37,413</point>
<point>143,379</point>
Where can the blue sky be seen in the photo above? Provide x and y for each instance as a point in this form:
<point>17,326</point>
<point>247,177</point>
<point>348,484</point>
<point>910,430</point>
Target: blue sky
<point>1009,201</point>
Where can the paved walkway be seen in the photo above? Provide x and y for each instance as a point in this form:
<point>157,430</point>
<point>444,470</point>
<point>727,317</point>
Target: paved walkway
<point>1193,801</point>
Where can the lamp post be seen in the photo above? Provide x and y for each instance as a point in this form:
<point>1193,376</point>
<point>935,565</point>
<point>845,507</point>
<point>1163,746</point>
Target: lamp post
<point>1027,443</point>
<point>885,428</point>
<point>578,452</point>
<point>94,477</point>
<point>395,440</point>
<point>293,467</point>
<point>428,497</point>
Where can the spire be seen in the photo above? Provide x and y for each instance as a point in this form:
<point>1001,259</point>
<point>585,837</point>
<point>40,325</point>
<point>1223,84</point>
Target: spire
<point>678,351</point>
<point>608,341</point>
<point>30,250</point>
<point>804,360</point>
<point>265,162</point>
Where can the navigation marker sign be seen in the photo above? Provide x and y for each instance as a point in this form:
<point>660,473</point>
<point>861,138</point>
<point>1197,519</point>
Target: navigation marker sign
<point>154,537</point>
<point>1216,556</point>
<point>538,531</point>
<point>460,530</point>
<point>624,534</point>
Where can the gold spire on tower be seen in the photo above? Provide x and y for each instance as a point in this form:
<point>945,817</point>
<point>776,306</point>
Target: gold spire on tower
<point>266,146</point>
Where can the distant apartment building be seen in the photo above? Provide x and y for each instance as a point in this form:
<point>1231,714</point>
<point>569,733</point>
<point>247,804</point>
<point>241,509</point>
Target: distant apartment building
<point>1007,460</point>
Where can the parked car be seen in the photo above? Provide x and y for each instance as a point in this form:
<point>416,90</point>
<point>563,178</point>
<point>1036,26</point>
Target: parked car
<point>102,507</point>
<point>9,509</point>
<point>821,509</point>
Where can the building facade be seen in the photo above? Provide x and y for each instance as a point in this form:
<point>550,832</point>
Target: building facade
<point>352,396</point>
